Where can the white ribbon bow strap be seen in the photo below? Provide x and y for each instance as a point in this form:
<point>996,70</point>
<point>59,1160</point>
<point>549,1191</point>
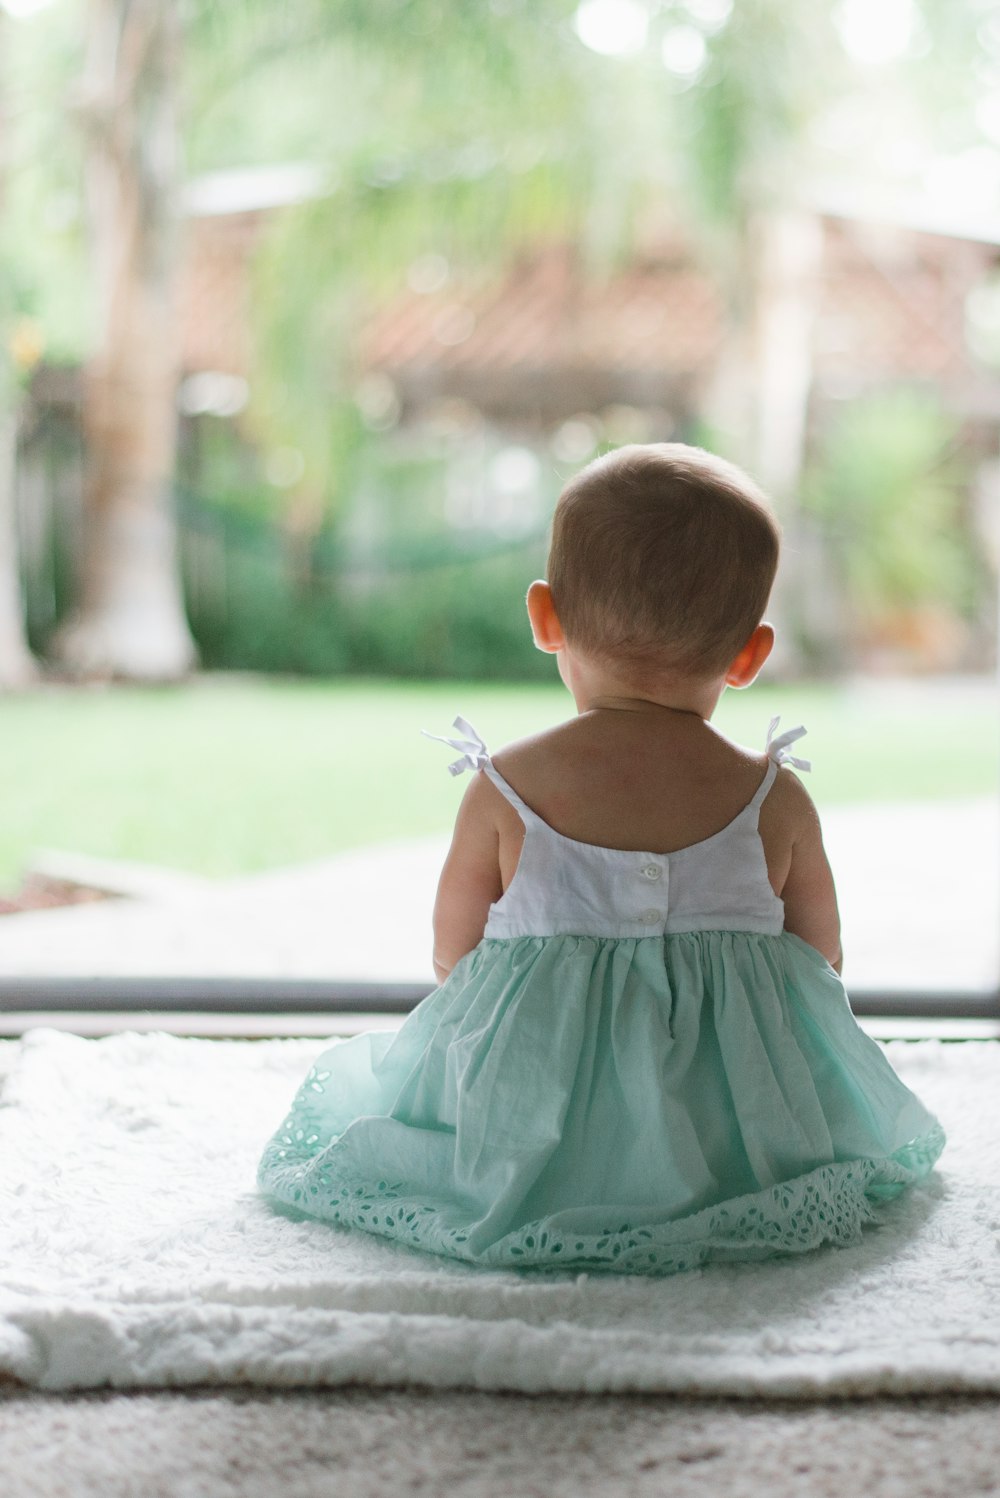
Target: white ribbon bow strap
<point>778,748</point>
<point>474,753</point>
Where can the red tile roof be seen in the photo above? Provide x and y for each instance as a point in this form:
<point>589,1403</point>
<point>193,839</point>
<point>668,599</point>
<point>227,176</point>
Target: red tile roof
<point>891,307</point>
<point>545,313</point>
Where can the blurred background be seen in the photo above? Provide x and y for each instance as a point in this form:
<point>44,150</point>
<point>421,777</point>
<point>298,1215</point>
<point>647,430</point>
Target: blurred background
<point>308,311</point>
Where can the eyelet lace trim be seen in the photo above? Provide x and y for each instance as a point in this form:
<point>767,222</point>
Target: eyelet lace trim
<point>828,1205</point>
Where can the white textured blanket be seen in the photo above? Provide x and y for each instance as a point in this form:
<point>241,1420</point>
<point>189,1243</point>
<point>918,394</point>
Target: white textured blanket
<point>135,1252</point>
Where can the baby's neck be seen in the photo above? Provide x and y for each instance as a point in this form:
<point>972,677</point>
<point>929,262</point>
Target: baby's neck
<point>595,688</point>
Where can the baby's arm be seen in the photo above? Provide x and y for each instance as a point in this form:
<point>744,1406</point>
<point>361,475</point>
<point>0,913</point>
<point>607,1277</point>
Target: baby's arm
<point>808,891</point>
<point>470,880</point>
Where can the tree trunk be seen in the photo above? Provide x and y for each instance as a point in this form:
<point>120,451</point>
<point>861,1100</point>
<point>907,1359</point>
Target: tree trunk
<point>787,285</point>
<point>131,620</point>
<point>17,665</point>
<point>760,395</point>
<point>788,267</point>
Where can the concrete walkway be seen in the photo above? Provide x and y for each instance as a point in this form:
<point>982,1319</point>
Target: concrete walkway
<point>919,890</point>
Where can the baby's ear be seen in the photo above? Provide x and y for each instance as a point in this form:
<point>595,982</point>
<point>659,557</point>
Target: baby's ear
<point>755,652</point>
<point>545,626</point>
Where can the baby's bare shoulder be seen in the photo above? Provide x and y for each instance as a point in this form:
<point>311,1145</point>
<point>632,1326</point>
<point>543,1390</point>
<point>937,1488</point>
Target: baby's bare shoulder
<point>789,806</point>
<point>544,769</point>
<point>535,752</point>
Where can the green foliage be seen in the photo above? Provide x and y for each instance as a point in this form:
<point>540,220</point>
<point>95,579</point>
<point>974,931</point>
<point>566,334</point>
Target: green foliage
<point>298,609</point>
<point>768,72</point>
<point>460,620</point>
<point>460,132</point>
<point>951,68</point>
<point>42,266</point>
<point>421,570</point>
<point>390,586</point>
<point>888,485</point>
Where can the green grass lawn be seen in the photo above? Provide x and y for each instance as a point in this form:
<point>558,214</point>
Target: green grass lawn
<point>232,774</point>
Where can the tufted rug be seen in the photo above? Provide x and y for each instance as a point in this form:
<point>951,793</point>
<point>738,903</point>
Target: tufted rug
<point>134,1252</point>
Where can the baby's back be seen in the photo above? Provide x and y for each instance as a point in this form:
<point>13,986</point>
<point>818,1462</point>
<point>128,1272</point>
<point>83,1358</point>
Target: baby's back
<point>649,782</point>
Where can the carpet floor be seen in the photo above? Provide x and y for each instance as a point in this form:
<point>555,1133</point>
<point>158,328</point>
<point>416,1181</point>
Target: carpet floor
<point>245,1444</point>
<point>137,1254</point>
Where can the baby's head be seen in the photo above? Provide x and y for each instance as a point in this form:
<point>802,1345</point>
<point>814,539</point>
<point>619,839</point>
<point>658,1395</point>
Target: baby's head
<point>662,560</point>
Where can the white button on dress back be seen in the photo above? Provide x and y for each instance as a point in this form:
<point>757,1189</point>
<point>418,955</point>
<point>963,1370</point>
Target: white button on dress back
<point>651,917</point>
<point>652,871</point>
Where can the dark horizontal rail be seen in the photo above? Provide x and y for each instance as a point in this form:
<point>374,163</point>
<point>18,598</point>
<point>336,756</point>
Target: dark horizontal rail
<point>221,995</point>
<point>315,996</point>
<point>885,1004</point>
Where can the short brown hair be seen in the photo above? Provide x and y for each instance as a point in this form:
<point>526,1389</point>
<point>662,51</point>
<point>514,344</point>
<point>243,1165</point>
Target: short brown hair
<point>662,557</point>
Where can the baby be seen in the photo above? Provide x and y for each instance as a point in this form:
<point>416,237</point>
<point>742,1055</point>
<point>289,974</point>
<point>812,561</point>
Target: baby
<point>641,1057</point>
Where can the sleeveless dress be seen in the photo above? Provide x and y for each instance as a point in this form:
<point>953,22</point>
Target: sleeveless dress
<point>637,1070</point>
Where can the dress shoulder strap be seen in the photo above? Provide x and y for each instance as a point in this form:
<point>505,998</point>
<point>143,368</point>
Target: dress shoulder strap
<point>778,746</point>
<point>528,817</point>
<point>778,754</point>
<point>760,795</point>
<point>474,755</point>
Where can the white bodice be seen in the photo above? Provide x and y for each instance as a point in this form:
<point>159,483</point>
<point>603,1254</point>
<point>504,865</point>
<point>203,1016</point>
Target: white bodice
<point>564,887</point>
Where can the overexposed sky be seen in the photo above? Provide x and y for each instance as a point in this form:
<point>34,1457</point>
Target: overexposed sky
<point>21,9</point>
<point>871,34</point>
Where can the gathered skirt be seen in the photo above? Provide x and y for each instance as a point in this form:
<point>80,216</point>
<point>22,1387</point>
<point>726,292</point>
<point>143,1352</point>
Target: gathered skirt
<point>639,1105</point>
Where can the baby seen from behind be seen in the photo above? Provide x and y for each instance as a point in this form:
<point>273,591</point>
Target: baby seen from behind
<point>641,1057</point>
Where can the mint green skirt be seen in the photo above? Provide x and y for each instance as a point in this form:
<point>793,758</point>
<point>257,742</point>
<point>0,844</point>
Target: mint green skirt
<point>640,1105</point>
